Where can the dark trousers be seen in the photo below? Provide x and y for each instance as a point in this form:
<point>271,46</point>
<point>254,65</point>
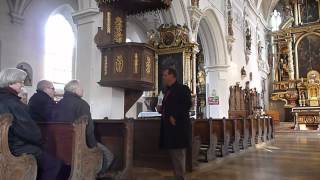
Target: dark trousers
<point>50,168</point>
<point>178,158</point>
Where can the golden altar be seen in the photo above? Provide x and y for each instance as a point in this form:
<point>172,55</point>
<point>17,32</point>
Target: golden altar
<point>295,63</point>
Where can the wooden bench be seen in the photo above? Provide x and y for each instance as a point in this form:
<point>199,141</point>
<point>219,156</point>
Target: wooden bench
<point>219,128</point>
<point>257,130</point>
<point>234,132</point>
<point>67,142</point>
<point>244,133</point>
<point>12,167</point>
<point>117,136</point>
<point>147,152</point>
<point>202,129</point>
<point>252,131</point>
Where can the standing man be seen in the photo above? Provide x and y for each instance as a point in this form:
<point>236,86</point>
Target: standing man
<point>175,121</point>
<point>41,104</point>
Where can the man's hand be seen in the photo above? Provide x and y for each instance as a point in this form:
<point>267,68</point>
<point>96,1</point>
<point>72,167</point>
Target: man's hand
<point>172,121</point>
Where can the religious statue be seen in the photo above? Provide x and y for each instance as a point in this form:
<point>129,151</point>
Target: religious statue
<point>260,47</point>
<point>153,38</point>
<point>248,38</point>
<point>230,19</point>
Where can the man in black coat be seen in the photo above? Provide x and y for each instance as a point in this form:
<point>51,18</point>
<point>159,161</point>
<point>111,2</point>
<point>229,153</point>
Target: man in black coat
<point>175,121</point>
<point>70,108</point>
<point>41,104</point>
<point>24,134</point>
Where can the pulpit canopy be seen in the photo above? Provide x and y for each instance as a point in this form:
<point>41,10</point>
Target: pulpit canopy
<point>132,7</point>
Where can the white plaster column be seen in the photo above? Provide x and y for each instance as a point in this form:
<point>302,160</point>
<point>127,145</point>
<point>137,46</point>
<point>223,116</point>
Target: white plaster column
<point>217,85</point>
<point>104,102</point>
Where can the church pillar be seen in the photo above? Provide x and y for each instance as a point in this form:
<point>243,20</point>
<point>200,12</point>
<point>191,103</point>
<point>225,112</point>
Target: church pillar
<point>217,86</point>
<point>104,102</point>
<point>290,60</point>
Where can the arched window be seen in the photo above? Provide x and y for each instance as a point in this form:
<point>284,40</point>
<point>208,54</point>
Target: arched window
<point>59,47</point>
<point>275,20</point>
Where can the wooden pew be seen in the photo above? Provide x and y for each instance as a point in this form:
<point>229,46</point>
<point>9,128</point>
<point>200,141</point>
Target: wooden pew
<point>263,126</point>
<point>12,167</point>
<point>219,128</point>
<point>244,133</point>
<point>203,130</point>
<point>233,131</point>
<point>67,141</point>
<point>117,135</point>
<point>252,131</point>
<point>257,130</point>
<point>147,152</point>
<point>270,130</point>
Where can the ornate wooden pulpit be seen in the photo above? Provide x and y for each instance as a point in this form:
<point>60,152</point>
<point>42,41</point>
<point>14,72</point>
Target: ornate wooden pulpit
<point>126,65</point>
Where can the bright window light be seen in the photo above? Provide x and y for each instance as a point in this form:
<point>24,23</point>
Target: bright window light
<point>59,46</point>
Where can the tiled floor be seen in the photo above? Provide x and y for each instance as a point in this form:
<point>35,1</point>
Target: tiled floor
<point>291,156</point>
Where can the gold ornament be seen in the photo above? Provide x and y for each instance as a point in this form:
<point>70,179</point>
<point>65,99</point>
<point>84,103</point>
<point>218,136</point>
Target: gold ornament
<point>148,65</point>
<point>119,64</point>
<point>105,65</point>
<point>118,34</point>
<point>136,63</point>
<point>108,22</point>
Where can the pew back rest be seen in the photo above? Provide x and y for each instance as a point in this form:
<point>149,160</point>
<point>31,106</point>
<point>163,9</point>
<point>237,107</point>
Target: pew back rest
<point>67,141</point>
<point>202,129</point>
<point>23,167</point>
<point>58,137</point>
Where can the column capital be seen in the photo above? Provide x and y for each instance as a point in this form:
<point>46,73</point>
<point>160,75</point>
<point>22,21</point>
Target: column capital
<point>85,16</point>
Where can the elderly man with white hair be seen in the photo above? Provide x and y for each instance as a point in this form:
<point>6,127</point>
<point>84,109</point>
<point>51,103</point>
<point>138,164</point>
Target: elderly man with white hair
<point>41,104</point>
<point>24,134</point>
<point>70,108</point>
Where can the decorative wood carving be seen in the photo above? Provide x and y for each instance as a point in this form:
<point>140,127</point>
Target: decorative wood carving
<point>243,102</point>
<point>12,167</point>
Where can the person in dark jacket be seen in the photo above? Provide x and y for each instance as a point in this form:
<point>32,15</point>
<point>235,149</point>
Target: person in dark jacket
<point>175,121</point>
<point>41,104</point>
<point>24,134</point>
<point>70,108</point>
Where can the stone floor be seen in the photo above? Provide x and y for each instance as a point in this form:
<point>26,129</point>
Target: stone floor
<point>291,156</point>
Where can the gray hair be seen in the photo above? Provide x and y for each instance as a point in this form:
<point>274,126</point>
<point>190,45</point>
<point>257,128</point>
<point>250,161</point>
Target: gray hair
<point>43,84</point>
<point>72,86</point>
<point>11,76</point>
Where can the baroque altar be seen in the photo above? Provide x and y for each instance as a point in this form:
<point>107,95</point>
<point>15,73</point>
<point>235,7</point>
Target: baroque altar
<point>295,61</point>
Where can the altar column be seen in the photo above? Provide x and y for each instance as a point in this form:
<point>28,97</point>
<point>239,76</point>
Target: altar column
<point>104,102</point>
<point>290,60</point>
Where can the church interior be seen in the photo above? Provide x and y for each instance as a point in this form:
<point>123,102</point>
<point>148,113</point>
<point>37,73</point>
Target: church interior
<point>252,67</point>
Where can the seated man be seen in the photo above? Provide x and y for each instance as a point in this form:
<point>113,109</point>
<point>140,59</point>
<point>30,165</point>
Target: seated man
<point>41,103</point>
<point>24,134</point>
<point>72,107</point>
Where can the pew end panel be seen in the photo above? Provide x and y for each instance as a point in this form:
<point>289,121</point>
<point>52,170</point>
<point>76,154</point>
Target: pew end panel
<point>232,130</point>
<point>223,137</point>
<point>117,136</point>
<point>244,133</point>
<point>12,167</point>
<point>202,129</point>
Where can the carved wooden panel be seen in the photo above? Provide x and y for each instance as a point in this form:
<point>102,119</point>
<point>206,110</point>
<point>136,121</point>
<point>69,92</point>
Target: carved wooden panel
<point>11,167</point>
<point>129,66</point>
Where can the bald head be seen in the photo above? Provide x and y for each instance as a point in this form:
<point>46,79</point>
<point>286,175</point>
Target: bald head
<point>46,87</point>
